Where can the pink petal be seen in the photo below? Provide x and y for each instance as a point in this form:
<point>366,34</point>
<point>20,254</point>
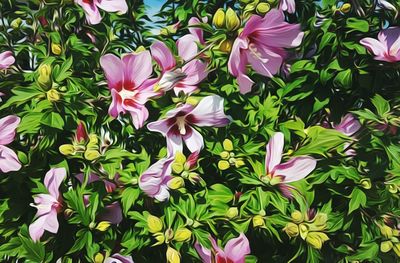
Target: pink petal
<point>8,160</point>
<point>113,70</point>
<point>152,180</point>
<point>138,67</point>
<point>92,13</point>
<point>295,169</point>
<point>245,83</point>
<point>187,47</point>
<point>53,180</point>
<point>274,151</point>
<point>374,46</point>
<point>44,204</point>
<point>265,62</point>
<point>163,194</point>
<point>162,55</point>
<point>349,125</point>
<point>195,31</point>
<point>237,248</point>
<point>193,140</point>
<point>210,112</point>
<point>51,223</point>
<point>238,60</point>
<point>288,6</point>
<point>113,6</point>
<point>8,125</point>
<point>116,104</point>
<point>174,143</point>
<point>6,59</point>
<point>204,253</point>
<point>36,229</point>
<point>195,71</point>
<point>161,126</point>
<point>139,115</point>
<point>117,258</point>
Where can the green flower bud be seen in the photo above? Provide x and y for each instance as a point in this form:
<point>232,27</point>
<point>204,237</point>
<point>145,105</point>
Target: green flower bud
<point>316,239</point>
<point>386,246</point>
<point>154,224</point>
<point>291,229</point>
<point>263,8</point>
<point>232,21</point>
<point>297,217</point>
<point>232,212</point>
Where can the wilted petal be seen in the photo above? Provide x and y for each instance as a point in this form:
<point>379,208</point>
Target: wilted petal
<point>274,151</point>
<point>295,169</point>
<point>8,160</point>
<point>210,112</point>
<point>8,125</point>
<point>153,179</point>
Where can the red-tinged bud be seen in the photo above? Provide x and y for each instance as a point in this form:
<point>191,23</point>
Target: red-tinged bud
<point>238,195</point>
<point>43,21</point>
<point>311,213</point>
<point>81,134</point>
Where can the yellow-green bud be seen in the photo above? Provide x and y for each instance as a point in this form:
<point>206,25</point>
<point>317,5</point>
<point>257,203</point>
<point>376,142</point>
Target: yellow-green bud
<point>303,229</point>
<point>239,163</point>
<point>258,221</point>
<point>180,158</point>
<point>226,45</point>
<point>93,140</point>
<point>56,49</point>
<point>396,249</point>
<point>192,101</point>
<point>176,183</point>
<point>16,23</point>
<point>173,256</point>
<point>366,183</point>
<point>386,246</point>
<point>291,229</point>
<point>103,226</point>
<point>386,231</point>
<point>177,168</point>
<point>140,49</point>
<point>99,258</point>
<point>228,145</point>
<point>320,220</point>
<point>223,165</point>
<point>393,188</point>
<point>263,8</point>
<point>44,74</point>
<point>316,239</point>
<point>232,21</point>
<point>297,217</point>
<point>219,18</point>
<point>154,224</point>
<point>91,155</point>
<point>53,95</point>
<point>224,155</point>
<point>160,238</point>
<point>67,149</point>
<point>182,234</point>
<point>345,8</point>
<point>232,212</point>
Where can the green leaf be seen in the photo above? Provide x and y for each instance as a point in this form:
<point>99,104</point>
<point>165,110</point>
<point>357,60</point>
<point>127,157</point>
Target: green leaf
<point>358,198</point>
<point>356,24</point>
<point>53,119</point>
<point>128,198</point>
<point>382,106</point>
<point>220,193</point>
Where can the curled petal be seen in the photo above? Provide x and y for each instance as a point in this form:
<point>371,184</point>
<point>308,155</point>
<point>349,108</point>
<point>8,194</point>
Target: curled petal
<point>295,169</point>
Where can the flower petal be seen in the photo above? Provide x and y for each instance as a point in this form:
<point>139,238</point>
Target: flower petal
<point>237,248</point>
<point>111,213</point>
<point>6,60</point>
<point>187,47</point>
<point>162,54</point>
<point>8,125</point>
<point>295,169</point>
<point>193,140</point>
<point>113,70</point>
<point>92,12</point>
<point>210,112</point>
<point>53,180</point>
<point>274,151</point>
<point>113,6</point>
<point>204,253</point>
<point>137,68</point>
<point>8,160</point>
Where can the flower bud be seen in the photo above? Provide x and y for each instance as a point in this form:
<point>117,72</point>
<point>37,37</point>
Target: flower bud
<point>258,221</point>
<point>386,231</point>
<point>93,140</point>
<point>56,49</point>
<point>386,246</point>
<point>366,183</point>
<point>316,239</point>
<point>232,212</point>
<point>182,235</point>
<point>223,165</point>
<point>53,95</point>
<point>393,188</point>
<point>169,30</point>
<point>176,183</point>
<point>103,226</point>
<point>91,155</point>
<point>177,168</point>
<point>43,21</point>
<point>173,256</point>
<point>219,18</point>
<point>154,224</point>
<point>224,155</point>
<point>98,258</point>
<point>291,229</point>
<point>396,249</point>
<point>320,220</point>
<point>303,229</point>
<point>232,21</point>
<point>16,23</point>
<point>239,163</point>
<point>263,8</point>
<point>228,145</point>
<point>67,149</point>
<point>160,238</point>
<point>226,46</point>
<point>345,8</point>
<point>81,133</point>
<point>44,74</point>
<point>297,217</point>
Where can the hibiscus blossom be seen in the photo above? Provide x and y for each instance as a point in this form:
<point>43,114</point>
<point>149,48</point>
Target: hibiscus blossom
<point>6,59</point>
<point>386,47</point>
<point>8,159</point>
<point>91,8</point>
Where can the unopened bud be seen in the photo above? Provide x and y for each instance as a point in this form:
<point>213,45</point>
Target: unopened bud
<point>67,149</point>
<point>228,145</point>
<point>56,49</point>
<point>219,18</point>
<point>345,8</point>
<point>263,8</point>
<point>53,95</point>
<point>232,212</point>
<point>232,21</point>
<point>176,183</point>
<point>91,155</point>
<point>44,74</point>
<point>154,224</point>
<point>173,256</point>
<point>258,221</point>
<point>223,165</point>
<point>386,246</point>
<point>103,226</point>
<point>291,229</point>
<point>182,234</point>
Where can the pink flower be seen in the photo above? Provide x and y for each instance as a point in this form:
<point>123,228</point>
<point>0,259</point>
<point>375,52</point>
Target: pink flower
<point>48,205</point>
<point>154,180</point>
<point>386,47</point>
<point>235,251</point>
<point>92,12</point>
<point>185,78</point>
<point>261,44</point>
<point>6,59</point>
<point>282,173</point>
<point>8,159</point>
<point>117,258</point>
<point>130,85</point>
<point>177,126</point>
<point>349,125</point>
<point>288,6</point>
